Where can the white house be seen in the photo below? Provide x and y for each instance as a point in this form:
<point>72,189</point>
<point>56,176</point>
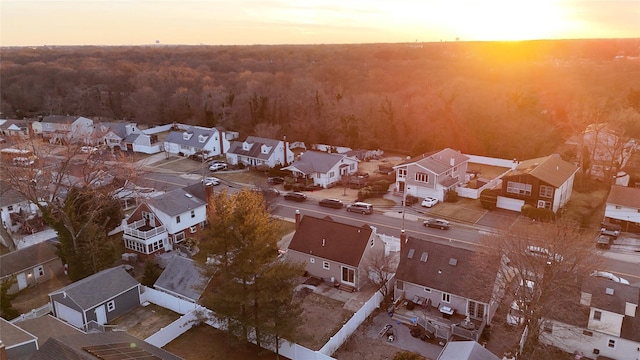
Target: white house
<point>142,143</point>
<point>62,129</point>
<point>431,174</point>
<point>15,128</point>
<point>113,134</point>
<point>325,169</point>
<point>12,202</point>
<point>257,151</point>
<point>159,223</point>
<point>197,140</point>
<point>605,322</point>
<point>623,207</point>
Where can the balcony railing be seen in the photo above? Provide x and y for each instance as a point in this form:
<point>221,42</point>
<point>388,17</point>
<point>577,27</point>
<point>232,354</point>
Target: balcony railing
<point>132,230</point>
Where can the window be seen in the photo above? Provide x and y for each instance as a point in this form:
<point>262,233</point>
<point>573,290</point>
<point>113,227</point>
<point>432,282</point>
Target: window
<point>402,173</point>
<point>618,207</point>
<point>325,265</point>
<point>446,297</point>
<point>518,188</point>
<point>546,191</point>
<point>597,315</point>
<point>332,174</point>
<point>178,219</point>
<point>400,285</point>
<point>39,271</point>
<point>427,290</point>
<point>611,343</point>
<point>455,168</point>
<point>10,208</point>
<point>193,213</point>
<point>111,305</point>
<point>422,177</point>
<point>312,260</point>
<point>587,333</point>
<point>372,242</point>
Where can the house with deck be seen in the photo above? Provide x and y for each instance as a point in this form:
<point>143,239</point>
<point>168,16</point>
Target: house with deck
<point>335,252</point>
<point>161,222</point>
<point>544,183</point>
<point>431,174</point>
<point>430,276</point>
<point>325,169</point>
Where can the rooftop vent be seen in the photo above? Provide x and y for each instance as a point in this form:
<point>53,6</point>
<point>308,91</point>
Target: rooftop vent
<point>424,257</point>
<point>609,291</point>
<point>453,262</point>
<point>411,252</point>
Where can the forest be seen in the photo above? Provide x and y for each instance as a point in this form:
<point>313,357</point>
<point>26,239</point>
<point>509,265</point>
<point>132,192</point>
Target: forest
<point>503,99</point>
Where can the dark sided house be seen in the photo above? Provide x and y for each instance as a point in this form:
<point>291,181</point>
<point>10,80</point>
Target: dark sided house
<point>544,183</point>
<point>99,298</point>
<point>31,266</point>
<point>334,251</point>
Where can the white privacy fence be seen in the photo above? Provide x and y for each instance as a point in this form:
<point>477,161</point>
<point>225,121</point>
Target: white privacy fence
<point>166,301</point>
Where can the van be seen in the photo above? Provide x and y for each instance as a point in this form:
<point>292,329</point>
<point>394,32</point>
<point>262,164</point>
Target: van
<point>360,207</point>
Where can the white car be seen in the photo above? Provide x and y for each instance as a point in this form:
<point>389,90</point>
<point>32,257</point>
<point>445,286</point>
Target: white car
<point>212,180</point>
<point>217,166</point>
<point>610,276</point>
<point>88,149</point>
<point>429,202</point>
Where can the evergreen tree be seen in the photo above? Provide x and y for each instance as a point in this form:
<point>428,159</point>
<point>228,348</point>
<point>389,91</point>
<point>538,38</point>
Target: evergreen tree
<point>7,311</point>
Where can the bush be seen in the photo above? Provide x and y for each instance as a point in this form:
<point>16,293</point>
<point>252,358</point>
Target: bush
<point>411,305</point>
<point>527,210</point>
<point>488,199</point>
<point>411,200</point>
<point>287,186</point>
<point>451,196</point>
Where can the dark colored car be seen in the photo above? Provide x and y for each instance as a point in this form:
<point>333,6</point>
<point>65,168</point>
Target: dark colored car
<point>437,223</point>
<point>609,229</point>
<point>331,203</point>
<point>276,180</point>
<point>295,196</point>
<point>604,242</point>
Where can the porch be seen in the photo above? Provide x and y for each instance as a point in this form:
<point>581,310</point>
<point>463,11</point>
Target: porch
<point>140,230</point>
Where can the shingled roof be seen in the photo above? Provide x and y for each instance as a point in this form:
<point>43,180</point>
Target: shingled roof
<point>316,162</point>
<point>256,147</point>
<point>438,266</point>
<point>437,162</point>
<point>27,258</point>
<point>624,196</point>
<point>327,239</point>
<point>196,133</point>
<point>184,277</point>
<point>176,202</point>
<point>550,169</point>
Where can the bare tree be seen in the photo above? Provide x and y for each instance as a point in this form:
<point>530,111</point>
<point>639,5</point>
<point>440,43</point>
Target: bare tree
<point>381,267</point>
<point>541,272</point>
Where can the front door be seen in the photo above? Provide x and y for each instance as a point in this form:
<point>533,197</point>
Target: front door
<point>22,281</point>
<point>348,276</point>
<point>101,315</point>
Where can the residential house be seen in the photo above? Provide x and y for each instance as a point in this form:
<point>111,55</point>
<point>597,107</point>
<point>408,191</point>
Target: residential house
<point>45,327</point>
<point>608,150</point>
<point>101,345</point>
<point>197,140</point>
<point>335,252</point>
<point>182,278</point>
<point>604,323</point>
<point>14,209</point>
<point>19,129</point>
<point>159,223</point>
<point>16,343</point>
<point>323,168</point>
<point>544,182</point>
<point>465,350</point>
<point>432,174</point>
<point>257,151</point>
<point>430,274</point>
<point>99,298</point>
<point>113,134</point>
<point>142,143</point>
<point>623,207</point>
<point>64,129</point>
<point>31,266</point>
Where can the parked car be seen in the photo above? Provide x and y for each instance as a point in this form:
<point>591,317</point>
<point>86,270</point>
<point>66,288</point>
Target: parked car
<point>543,253</point>
<point>275,180</point>
<point>604,242</point>
<point>360,207</point>
<point>88,149</point>
<point>610,276</point>
<point>295,196</point>
<point>436,223</point>
<point>429,202</point>
<point>217,166</point>
<point>331,203</point>
<point>610,229</point>
<point>212,180</point>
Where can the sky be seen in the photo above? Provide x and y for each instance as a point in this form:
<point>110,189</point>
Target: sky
<point>245,22</point>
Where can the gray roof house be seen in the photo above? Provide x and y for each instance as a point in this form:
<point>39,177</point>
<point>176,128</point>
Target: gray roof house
<point>196,139</point>
<point>60,128</point>
<point>324,168</point>
<point>182,278</point>
<point>257,151</point>
<point>31,266</point>
<point>465,350</point>
<point>158,223</point>
<point>18,343</point>
<point>15,128</point>
<point>432,174</point>
<point>113,134</point>
<point>99,298</point>
<point>93,346</point>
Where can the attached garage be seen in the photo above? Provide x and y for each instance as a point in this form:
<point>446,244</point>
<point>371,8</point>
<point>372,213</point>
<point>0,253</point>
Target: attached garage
<point>509,204</point>
<point>69,315</point>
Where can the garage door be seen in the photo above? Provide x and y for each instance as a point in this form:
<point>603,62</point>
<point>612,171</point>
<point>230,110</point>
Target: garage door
<point>509,204</point>
<point>71,316</point>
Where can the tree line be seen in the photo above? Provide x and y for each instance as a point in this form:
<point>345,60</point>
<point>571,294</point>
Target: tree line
<point>478,97</point>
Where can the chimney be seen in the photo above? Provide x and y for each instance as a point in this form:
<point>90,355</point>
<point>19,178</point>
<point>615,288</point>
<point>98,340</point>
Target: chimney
<point>297,219</point>
<point>403,240</point>
<point>452,162</point>
<point>284,138</point>
<point>208,190</point>
<point>220,135</point>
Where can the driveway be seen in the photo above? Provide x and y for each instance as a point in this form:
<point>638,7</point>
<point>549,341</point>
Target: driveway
<point>498,219</point>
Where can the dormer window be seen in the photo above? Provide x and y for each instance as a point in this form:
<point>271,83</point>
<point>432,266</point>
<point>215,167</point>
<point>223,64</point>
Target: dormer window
<point>187,135</point>
<point>246,146</point>
<point>265,149</point>
<point>202,138</point>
